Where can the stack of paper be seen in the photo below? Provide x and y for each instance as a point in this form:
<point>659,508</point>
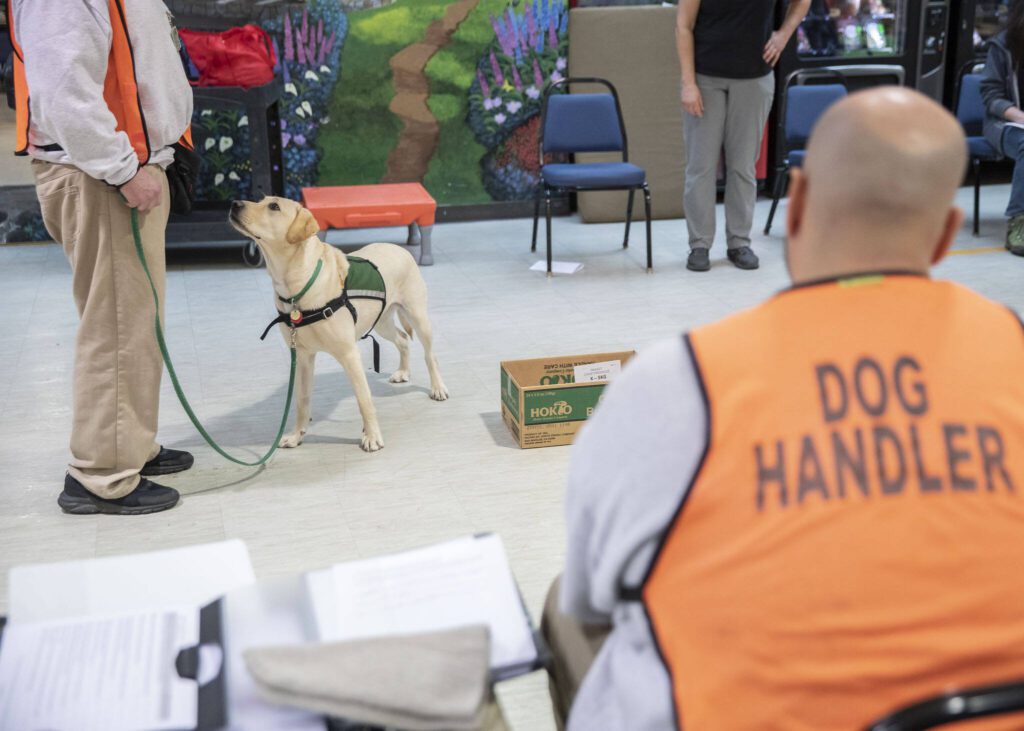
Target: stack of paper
<point>462,582</point>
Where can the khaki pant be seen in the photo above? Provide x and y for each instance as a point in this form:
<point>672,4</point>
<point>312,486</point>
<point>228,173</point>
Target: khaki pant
<point>117,361</point>
<point>573,647</point>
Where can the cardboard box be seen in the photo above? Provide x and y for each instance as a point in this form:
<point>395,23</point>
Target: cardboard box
<point>544,401</point>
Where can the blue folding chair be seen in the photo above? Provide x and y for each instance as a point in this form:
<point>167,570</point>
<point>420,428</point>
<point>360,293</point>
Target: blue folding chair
<point>970,110</point>
<point>803,106</point>
<point>572,123</point>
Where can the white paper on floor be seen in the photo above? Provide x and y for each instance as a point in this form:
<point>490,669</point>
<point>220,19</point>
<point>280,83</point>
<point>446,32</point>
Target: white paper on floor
<point>558,267</point>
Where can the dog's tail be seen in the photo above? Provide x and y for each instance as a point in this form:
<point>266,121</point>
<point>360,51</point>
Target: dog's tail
<point>406,325</point>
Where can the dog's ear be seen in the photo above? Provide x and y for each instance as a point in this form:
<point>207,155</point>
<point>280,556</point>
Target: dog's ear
<point>302,227</point>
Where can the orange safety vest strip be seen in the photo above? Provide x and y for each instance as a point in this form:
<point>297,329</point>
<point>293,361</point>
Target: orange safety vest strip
<point>120,88</point>
<point>853,538</point>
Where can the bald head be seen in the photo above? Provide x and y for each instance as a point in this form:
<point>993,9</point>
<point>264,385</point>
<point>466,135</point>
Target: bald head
<point>877,188</point>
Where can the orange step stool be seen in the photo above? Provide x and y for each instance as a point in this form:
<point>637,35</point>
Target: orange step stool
<point>376,206</point>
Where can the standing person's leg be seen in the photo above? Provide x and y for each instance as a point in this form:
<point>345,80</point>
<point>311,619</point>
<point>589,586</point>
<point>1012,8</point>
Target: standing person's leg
<point>703,139</point>
<point>750,101</point>
<point>573,647</point>
<point>117,362</point>
<point>1013,148</point>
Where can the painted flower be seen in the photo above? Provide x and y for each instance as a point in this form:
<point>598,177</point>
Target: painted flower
<point>556,77</point>
<point>500,118</point>
<point>308,107</point>
<point>532,92</point>
<point>301,112</point>
<point>290,88</point>
<point>300,139</point>
<point>225,144</point>
<point>206,113</point>
<point>325,69</point>
<point>285,139</point>
<point>210,142</point>
<point>243,121</point>
<point>284,124</point>
<point>514,107</point>
<point>218,178</point>
<point>561,63</point>
<point>233,176</point>
<point>324,120</point>
<point>311,75</point>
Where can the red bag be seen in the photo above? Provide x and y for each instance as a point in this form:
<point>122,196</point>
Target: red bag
<point>237,57</point>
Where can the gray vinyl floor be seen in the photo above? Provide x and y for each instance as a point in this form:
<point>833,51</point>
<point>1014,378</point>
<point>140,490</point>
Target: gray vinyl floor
<point>448,469</point>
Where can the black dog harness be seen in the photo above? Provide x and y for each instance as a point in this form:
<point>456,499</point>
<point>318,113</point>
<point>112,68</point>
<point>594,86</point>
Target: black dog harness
<point>363,281</point>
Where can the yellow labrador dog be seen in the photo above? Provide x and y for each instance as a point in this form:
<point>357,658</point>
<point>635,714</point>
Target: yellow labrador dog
<point>308,275</point>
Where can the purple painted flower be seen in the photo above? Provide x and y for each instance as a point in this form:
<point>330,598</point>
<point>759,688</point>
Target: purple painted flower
<point>514,107</point>
<point>499,78</point>
<point>500,118</point>
<point>285,139</point>
<point>553,35</point>
<point>284,124</point>
<point>289,54</point>
<point>300,139</point>
<point>556,77</point>
<point>561,63</point>
<point>485,89</point>
<point>516,80</point>
<point>533,92</point>
<point>538,77</point>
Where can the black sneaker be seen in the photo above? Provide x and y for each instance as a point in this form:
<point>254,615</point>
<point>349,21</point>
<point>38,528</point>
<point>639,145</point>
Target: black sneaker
<point>167,462</point>
<point>698,261</point>
<point>744,258</point>
<point>148,497</point>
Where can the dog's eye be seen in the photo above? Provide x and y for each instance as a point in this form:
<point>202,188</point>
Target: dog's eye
<point>274,207</point>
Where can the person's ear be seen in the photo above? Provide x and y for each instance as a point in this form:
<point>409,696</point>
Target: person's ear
<point>303,227</point>
<point>954,220</point>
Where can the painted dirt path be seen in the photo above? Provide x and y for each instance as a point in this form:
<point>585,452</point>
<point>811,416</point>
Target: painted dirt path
<point>411,156</point>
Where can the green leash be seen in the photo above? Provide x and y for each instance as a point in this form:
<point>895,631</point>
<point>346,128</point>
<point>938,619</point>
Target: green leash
<point>174,376</point>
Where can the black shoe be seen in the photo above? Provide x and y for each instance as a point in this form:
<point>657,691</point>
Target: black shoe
<point>148,497</point>
<point>167,462</point>
<point>744,258</point>
<point>1015,250</point>
<point>698,261</point>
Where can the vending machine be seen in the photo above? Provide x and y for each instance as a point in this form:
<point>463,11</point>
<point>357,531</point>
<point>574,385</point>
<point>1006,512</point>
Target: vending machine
<point>865,43</point>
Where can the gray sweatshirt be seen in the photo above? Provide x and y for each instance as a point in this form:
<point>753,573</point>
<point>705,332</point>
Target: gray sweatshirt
<point>630,467</point>
<point>66,44</point>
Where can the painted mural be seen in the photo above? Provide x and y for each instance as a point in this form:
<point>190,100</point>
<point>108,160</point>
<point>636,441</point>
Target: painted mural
<point>443,92</point>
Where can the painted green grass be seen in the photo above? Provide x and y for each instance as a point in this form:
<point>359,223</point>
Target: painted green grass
<point>454,173</point>
<point>362,131</point>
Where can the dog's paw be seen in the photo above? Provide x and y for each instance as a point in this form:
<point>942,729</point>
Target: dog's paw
<point>399,377</point>
<point>291,441</point>
<point>372,443</point>
<point>439,393</point>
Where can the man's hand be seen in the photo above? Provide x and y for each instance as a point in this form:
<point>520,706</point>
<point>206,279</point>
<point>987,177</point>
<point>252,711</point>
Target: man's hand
<point>693,102</point>
<point>774,47</point>
<point>1014,115</point>
<point>143,191</point>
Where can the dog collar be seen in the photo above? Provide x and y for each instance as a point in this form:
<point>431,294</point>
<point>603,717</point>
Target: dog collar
<point>292,300</point>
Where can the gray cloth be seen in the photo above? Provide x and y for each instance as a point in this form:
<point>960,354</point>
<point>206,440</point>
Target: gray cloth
<point>631,466</point>
<point>735,112</point>
<point>999,89</point>
<point>436,681</point>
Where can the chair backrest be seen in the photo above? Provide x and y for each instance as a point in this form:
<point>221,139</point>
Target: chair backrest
<point>582,122</point>
<point>804,106</point>
<point>955,708</point>
<point>970,109</point>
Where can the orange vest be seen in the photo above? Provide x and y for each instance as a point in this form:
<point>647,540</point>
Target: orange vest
<point>120,89</point>
<point>854,537</point>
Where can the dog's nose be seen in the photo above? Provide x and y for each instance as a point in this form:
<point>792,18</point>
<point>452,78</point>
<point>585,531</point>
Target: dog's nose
<point>237,205</point>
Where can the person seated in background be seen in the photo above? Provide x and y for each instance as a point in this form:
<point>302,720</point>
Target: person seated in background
<point>1001,90</point>
<point>817,541</point>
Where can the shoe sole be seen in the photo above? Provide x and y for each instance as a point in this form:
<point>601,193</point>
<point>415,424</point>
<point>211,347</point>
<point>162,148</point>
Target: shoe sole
<point>746,268</point>
<point>169,470</point>
<point>85,506</point>
<point>693,268</point>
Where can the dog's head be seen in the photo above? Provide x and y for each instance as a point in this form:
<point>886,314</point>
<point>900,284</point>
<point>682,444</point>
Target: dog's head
<point>274,223</point>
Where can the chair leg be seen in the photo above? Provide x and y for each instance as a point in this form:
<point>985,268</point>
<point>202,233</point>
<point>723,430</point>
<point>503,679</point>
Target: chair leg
<point>536,218</point>
<point>976,165</point>
<point>547,216</point>
<point>780,180</point>
<point>629,218</point>
<point>647,210</point>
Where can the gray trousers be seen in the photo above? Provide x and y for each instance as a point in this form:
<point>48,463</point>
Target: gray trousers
<point>735,112</point>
